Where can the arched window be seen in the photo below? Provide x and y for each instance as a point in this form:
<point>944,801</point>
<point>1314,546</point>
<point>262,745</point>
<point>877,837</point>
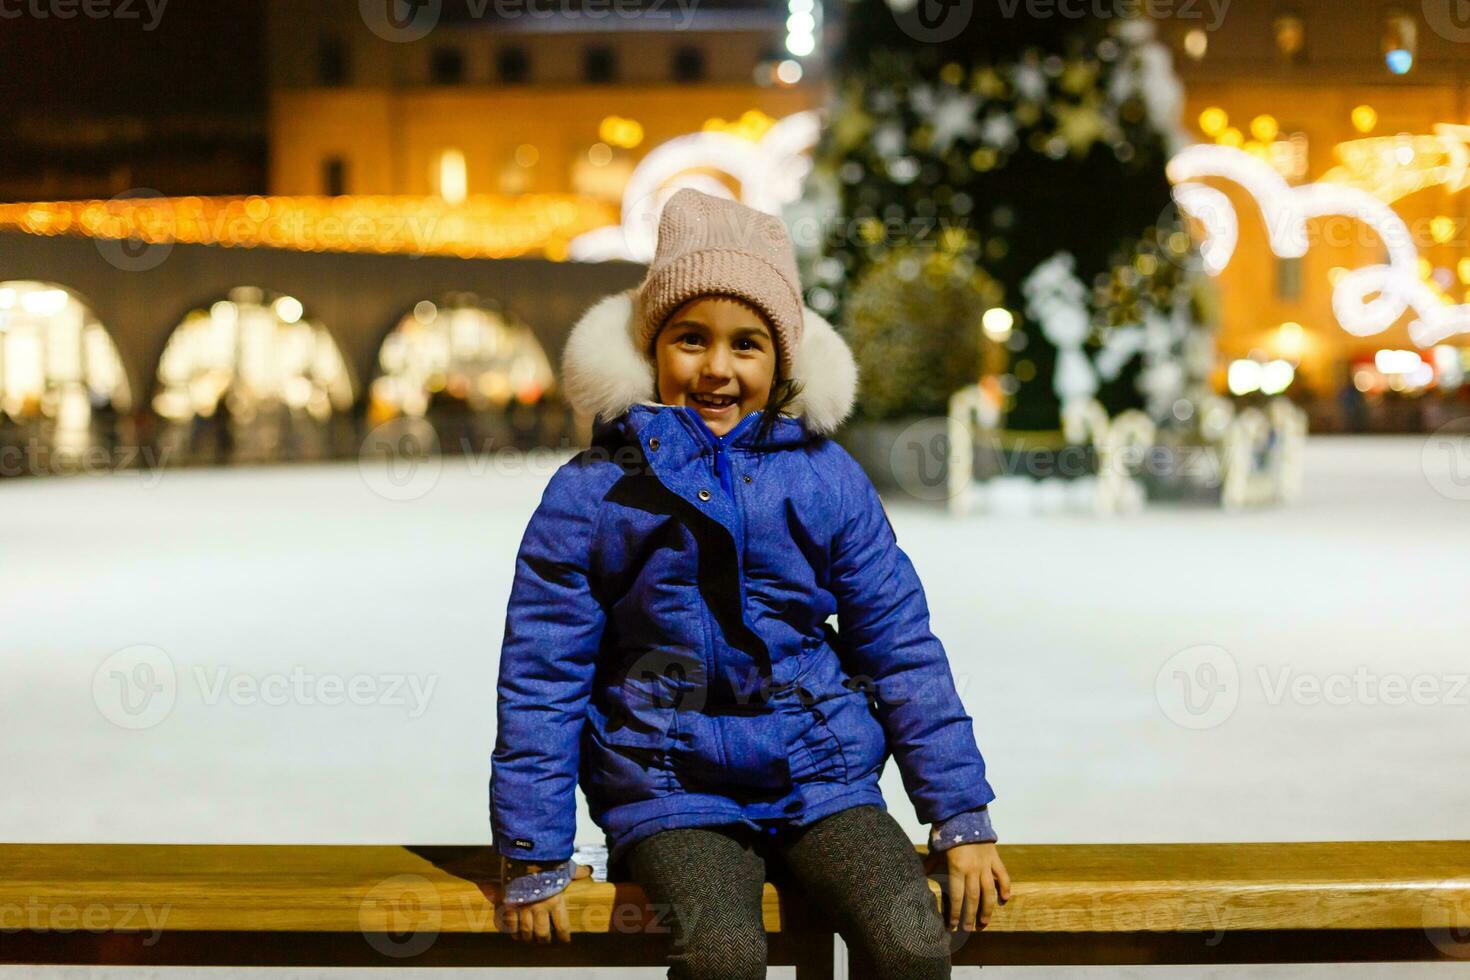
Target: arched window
<point>61,378</point>
<point>1400,41</point>
<point>1290,29</point>
<point>456,359</point>
<point>255,358</point>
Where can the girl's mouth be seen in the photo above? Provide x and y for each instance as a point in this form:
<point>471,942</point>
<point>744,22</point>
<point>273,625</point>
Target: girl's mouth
<point>713,405</point>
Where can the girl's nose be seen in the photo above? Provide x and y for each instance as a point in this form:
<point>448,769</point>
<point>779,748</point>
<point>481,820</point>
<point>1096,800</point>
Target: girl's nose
<point>717,363</point>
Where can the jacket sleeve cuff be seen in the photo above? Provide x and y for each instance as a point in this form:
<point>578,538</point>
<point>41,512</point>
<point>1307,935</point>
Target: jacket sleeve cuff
<point>523,887</point>
<point>970,827</point>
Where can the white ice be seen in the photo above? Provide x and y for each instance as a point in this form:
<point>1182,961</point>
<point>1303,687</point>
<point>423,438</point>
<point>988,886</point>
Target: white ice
<point>1344,618</point>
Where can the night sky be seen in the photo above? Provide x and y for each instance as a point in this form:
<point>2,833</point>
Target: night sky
<point>203,55</point>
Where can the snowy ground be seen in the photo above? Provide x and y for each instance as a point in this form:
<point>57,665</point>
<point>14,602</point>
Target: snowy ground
<point>322,658</point>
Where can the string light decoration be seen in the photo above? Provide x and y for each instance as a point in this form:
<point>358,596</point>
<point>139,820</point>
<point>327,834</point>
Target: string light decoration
<point>752,125</point>
<point>463,349</point>
<point>58,364</point>
<point>766,160</point>
<point>1393,167</point>
<point>482,227</point>
<point>1367,300</point>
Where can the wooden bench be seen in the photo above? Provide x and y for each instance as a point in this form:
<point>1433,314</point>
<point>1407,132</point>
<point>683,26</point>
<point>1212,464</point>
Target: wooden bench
<point>233,905</point>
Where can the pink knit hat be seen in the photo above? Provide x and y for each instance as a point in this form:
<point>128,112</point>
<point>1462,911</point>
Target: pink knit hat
<point>709,245</point>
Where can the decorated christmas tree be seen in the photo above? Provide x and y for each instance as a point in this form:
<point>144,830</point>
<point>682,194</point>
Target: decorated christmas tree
<point>1001,182</point>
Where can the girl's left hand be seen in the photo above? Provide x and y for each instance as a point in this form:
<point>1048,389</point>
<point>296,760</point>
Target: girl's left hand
<point>976,875</point>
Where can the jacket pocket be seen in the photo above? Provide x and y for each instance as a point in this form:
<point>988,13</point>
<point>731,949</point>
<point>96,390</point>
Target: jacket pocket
<point>617,726</point>
<point>715,751</point>
<point>622,762</point>
<point>864,742</point>
<point>818,755</point>
<point>846,737</point>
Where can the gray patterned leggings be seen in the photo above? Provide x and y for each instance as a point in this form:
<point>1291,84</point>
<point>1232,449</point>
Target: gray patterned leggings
<point>857,864</point>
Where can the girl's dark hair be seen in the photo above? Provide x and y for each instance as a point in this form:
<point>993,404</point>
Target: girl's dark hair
<point>783,392</point>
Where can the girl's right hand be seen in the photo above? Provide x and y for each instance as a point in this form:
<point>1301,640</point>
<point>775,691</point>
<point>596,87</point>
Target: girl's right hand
<point>536,921</point>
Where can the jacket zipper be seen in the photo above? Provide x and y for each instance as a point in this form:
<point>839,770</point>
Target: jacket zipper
<point>721,453</point>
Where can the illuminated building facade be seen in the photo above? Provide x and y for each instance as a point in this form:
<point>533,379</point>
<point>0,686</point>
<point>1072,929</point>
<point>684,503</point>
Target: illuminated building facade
<point>513,99</point>
<point>1361,95</point>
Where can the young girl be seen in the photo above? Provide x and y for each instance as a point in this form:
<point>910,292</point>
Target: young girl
<point>667,642</point>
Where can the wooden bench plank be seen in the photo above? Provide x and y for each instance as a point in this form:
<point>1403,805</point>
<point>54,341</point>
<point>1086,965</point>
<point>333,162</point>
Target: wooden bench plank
<point>1092,888</point>
<point>1247,886</point>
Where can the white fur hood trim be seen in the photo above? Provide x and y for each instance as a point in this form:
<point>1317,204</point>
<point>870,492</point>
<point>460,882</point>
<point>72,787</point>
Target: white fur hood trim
<point>604,374</point>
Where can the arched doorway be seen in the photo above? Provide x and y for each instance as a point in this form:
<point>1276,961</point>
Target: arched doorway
<point>63,388</point>
<point>253,378</point>
<point>474,371</point>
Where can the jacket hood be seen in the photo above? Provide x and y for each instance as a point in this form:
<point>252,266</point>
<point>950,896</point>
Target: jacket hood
<point>604,374</point>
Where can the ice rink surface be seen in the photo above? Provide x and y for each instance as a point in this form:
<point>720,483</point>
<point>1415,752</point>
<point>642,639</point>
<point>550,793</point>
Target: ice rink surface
<point>273,655</point>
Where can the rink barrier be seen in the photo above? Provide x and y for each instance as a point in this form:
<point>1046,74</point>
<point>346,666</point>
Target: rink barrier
<point>1072,904</point>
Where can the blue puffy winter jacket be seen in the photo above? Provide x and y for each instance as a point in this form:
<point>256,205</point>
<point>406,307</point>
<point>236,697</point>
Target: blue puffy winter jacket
<point>667,642</point>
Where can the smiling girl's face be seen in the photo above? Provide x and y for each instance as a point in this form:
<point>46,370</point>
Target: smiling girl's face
<point>717,355</point>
